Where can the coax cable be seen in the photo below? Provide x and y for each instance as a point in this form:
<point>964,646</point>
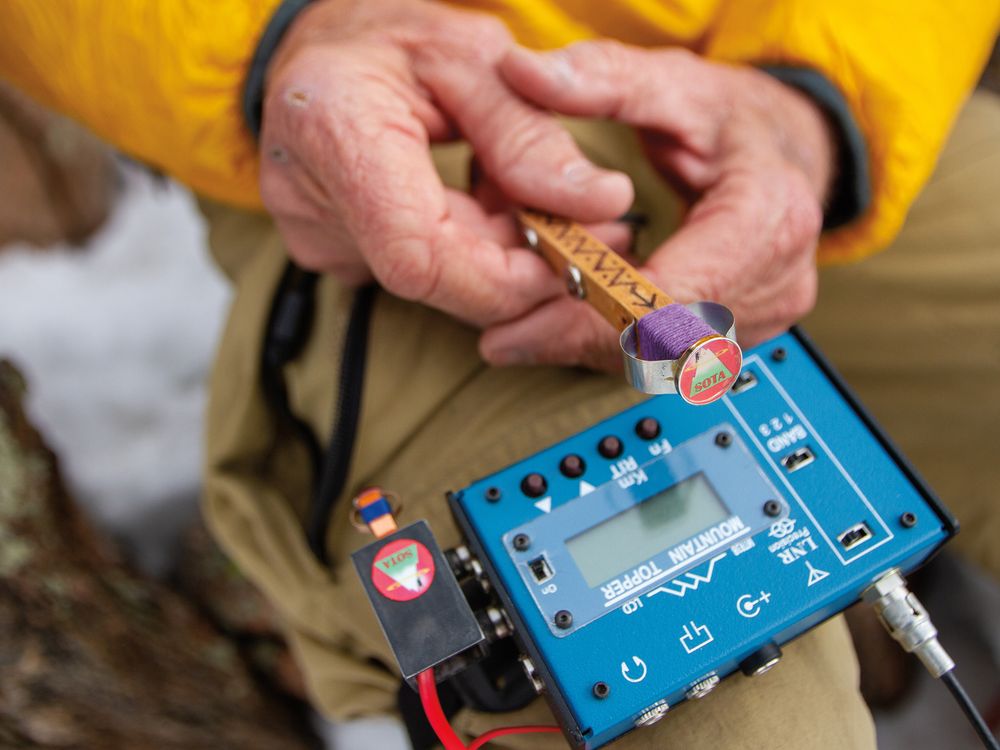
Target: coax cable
<point>902,614</point>
<point>969,709</point>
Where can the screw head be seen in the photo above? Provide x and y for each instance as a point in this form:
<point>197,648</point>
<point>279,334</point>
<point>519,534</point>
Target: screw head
<point>492,494</point>
<point>723,439</point>
<point>521,542</point>
<point>601,690</point>
<point>772,508</point>
<point>908,520</point>
<point>531,237</point>
<point>574,282</point>
<point>563,619</point>
<point>779,354</point>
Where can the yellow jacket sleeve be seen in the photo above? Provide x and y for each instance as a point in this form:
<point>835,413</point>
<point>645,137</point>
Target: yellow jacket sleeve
<point>162,79</point>
<point>159,79</point>
<point>904,67</point>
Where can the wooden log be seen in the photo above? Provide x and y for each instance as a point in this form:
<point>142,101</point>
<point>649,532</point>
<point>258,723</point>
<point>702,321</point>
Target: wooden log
<point>92,654</point>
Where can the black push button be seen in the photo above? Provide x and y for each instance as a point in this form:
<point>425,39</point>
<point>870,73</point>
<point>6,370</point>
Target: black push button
<point>647,428</point>
<point>610,447</point>
<point>534,485</point>
<point>572,466</point>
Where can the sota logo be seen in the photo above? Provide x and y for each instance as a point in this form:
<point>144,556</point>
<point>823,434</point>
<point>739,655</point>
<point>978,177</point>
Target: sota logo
<point>403,570</point>
<point>710,371</point>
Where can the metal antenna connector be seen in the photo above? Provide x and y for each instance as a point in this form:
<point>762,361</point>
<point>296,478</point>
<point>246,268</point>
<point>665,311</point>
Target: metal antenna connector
<point>902,614</point>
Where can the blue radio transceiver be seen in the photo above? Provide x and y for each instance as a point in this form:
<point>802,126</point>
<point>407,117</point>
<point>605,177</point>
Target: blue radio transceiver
<point>646,558</point>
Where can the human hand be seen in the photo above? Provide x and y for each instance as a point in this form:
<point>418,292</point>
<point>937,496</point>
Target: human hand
<point>752,155</point>
<point>356,92</point>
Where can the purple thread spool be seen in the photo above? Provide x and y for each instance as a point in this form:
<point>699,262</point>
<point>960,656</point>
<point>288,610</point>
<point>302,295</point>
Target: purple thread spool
<point>668,332</point>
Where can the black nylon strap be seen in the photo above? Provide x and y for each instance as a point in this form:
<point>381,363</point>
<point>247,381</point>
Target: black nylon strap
<point>336,462</point>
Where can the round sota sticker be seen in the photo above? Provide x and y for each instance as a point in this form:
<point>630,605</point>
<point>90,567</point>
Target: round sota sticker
<point>709,371</point>
<point>403,570</point>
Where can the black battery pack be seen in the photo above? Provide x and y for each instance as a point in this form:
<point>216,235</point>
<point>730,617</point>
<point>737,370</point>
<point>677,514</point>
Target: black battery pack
<point>417,600</point>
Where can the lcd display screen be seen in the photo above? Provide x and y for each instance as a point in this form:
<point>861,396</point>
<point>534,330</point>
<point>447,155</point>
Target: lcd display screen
<point>635,535</point>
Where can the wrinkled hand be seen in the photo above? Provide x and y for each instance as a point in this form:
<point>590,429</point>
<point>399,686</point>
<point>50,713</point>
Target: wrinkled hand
<point>356,92</point>
<point>752,155</point>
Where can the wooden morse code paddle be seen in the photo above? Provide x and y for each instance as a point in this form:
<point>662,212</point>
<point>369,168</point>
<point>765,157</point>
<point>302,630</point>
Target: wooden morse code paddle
<point>667,347</point>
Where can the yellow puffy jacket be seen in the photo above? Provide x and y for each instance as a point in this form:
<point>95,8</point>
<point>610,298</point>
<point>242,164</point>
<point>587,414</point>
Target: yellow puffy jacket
<point>162,79</point>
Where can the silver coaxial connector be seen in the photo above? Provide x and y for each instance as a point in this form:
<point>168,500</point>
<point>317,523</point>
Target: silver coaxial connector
<point>907,621</point>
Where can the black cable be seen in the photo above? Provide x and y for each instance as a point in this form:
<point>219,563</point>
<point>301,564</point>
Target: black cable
<point>288,326</point>
<point>969,709</point>
<point>337,463</point>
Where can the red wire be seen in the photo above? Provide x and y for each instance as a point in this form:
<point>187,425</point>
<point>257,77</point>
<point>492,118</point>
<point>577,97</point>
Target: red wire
<point>442,727</point>
<point>494,733</point>
<point>435,715</point>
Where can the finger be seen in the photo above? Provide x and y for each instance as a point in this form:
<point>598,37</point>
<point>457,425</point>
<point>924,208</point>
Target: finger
<point>317,245</point>
<point>527,152</point>
<point>487,192</point>
<point>748,243</point>
<point>685,171</point>
<point>667,89</point>
<point>371,163</point>
<point>618,235</point>
<point>499,226</point>
<point>310,245</point>
<point>564,331</point>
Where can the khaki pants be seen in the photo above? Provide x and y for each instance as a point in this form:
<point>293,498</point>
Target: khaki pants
<point>916,330</point>
<point>911,330</point>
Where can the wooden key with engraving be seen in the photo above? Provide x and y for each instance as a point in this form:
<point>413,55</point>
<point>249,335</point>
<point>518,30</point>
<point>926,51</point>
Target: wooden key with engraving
<point>667,347</point>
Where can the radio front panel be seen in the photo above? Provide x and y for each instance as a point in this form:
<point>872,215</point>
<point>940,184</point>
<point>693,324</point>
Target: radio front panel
<point>667,544</point>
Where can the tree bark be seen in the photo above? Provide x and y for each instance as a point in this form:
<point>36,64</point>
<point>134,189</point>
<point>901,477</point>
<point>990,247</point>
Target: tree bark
<point>92,655</point>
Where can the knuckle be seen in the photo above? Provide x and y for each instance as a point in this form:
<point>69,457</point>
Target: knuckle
<point>679,57</point>
<point>468,35</point>
<point>530,137</point>
<point>488,30</point>
<point>306,254</point>
<point>803,297</point>
<point>407,268</point>
<point>273,190</point>
<point>798,299</point>
<point>712,287</point>
<point>605,56</point>
<point>804,215</point>
<point>806,219</point>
